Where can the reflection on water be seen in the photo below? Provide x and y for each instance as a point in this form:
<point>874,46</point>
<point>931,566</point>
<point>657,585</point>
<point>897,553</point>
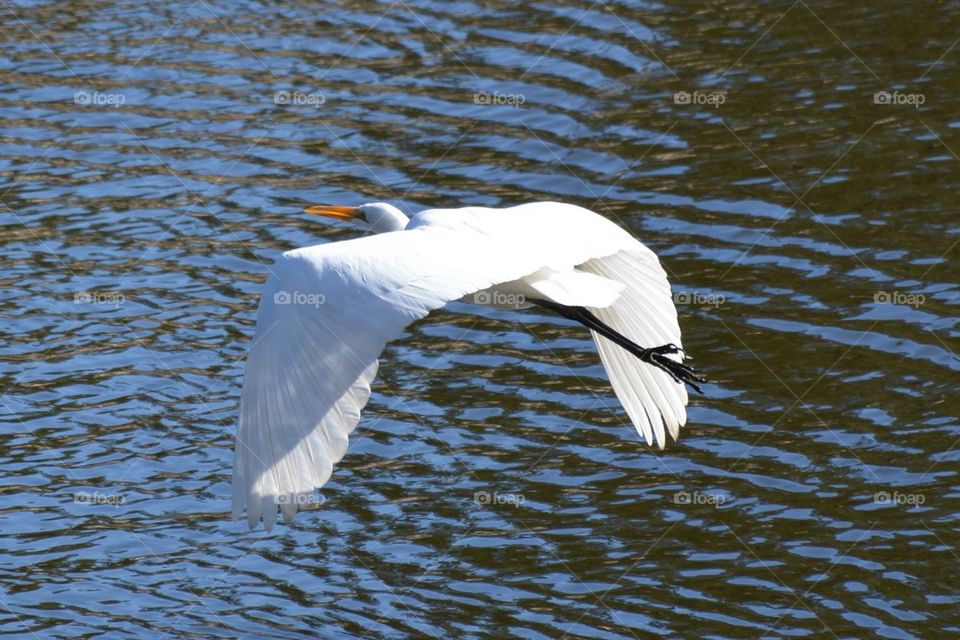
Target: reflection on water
<point>795,165</point>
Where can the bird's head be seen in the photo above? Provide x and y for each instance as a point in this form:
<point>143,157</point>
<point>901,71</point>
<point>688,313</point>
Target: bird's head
<point>375,216</point>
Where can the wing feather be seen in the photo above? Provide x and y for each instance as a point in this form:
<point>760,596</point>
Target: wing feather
<point>645,313</point>
<point>327,312</point>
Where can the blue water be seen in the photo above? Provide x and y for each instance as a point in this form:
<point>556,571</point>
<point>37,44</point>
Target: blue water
<point>154,160</point>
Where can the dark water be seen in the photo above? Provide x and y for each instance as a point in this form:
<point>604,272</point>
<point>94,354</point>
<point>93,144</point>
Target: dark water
<point>149,171</point>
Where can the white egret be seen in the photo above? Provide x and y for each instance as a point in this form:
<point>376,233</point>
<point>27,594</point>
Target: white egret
<point>327,311</point>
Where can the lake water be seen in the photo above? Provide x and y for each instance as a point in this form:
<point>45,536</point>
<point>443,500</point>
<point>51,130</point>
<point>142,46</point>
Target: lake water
<point>794,165</point>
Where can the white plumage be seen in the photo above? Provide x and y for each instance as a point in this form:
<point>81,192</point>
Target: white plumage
<point>327,311</point>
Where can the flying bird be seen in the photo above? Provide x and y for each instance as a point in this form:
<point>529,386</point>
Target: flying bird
<point>327,312</point>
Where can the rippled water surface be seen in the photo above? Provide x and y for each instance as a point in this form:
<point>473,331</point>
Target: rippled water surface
<point>154,158</point>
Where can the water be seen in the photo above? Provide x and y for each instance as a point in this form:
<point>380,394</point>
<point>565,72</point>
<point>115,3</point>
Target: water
<point>494,488</point>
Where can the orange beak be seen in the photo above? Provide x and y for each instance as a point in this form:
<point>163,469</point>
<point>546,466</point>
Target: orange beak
<point>340,213</point>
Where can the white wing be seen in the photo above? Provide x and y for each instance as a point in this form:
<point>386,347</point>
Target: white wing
<point>645,313</point>
<point>327,312</point>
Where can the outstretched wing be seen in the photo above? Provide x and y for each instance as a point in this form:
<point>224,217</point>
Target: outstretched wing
<point>327,312</point>
<point>646,314</point>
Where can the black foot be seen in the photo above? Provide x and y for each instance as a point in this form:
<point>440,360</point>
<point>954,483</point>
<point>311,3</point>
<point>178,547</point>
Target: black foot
<point>682,373</point>
<point>657,356</point>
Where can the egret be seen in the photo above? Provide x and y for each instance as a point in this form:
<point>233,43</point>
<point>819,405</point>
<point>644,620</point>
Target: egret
<point>327,312</point>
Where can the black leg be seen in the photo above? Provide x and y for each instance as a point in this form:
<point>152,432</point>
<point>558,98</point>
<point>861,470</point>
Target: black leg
<point>655,356</point>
